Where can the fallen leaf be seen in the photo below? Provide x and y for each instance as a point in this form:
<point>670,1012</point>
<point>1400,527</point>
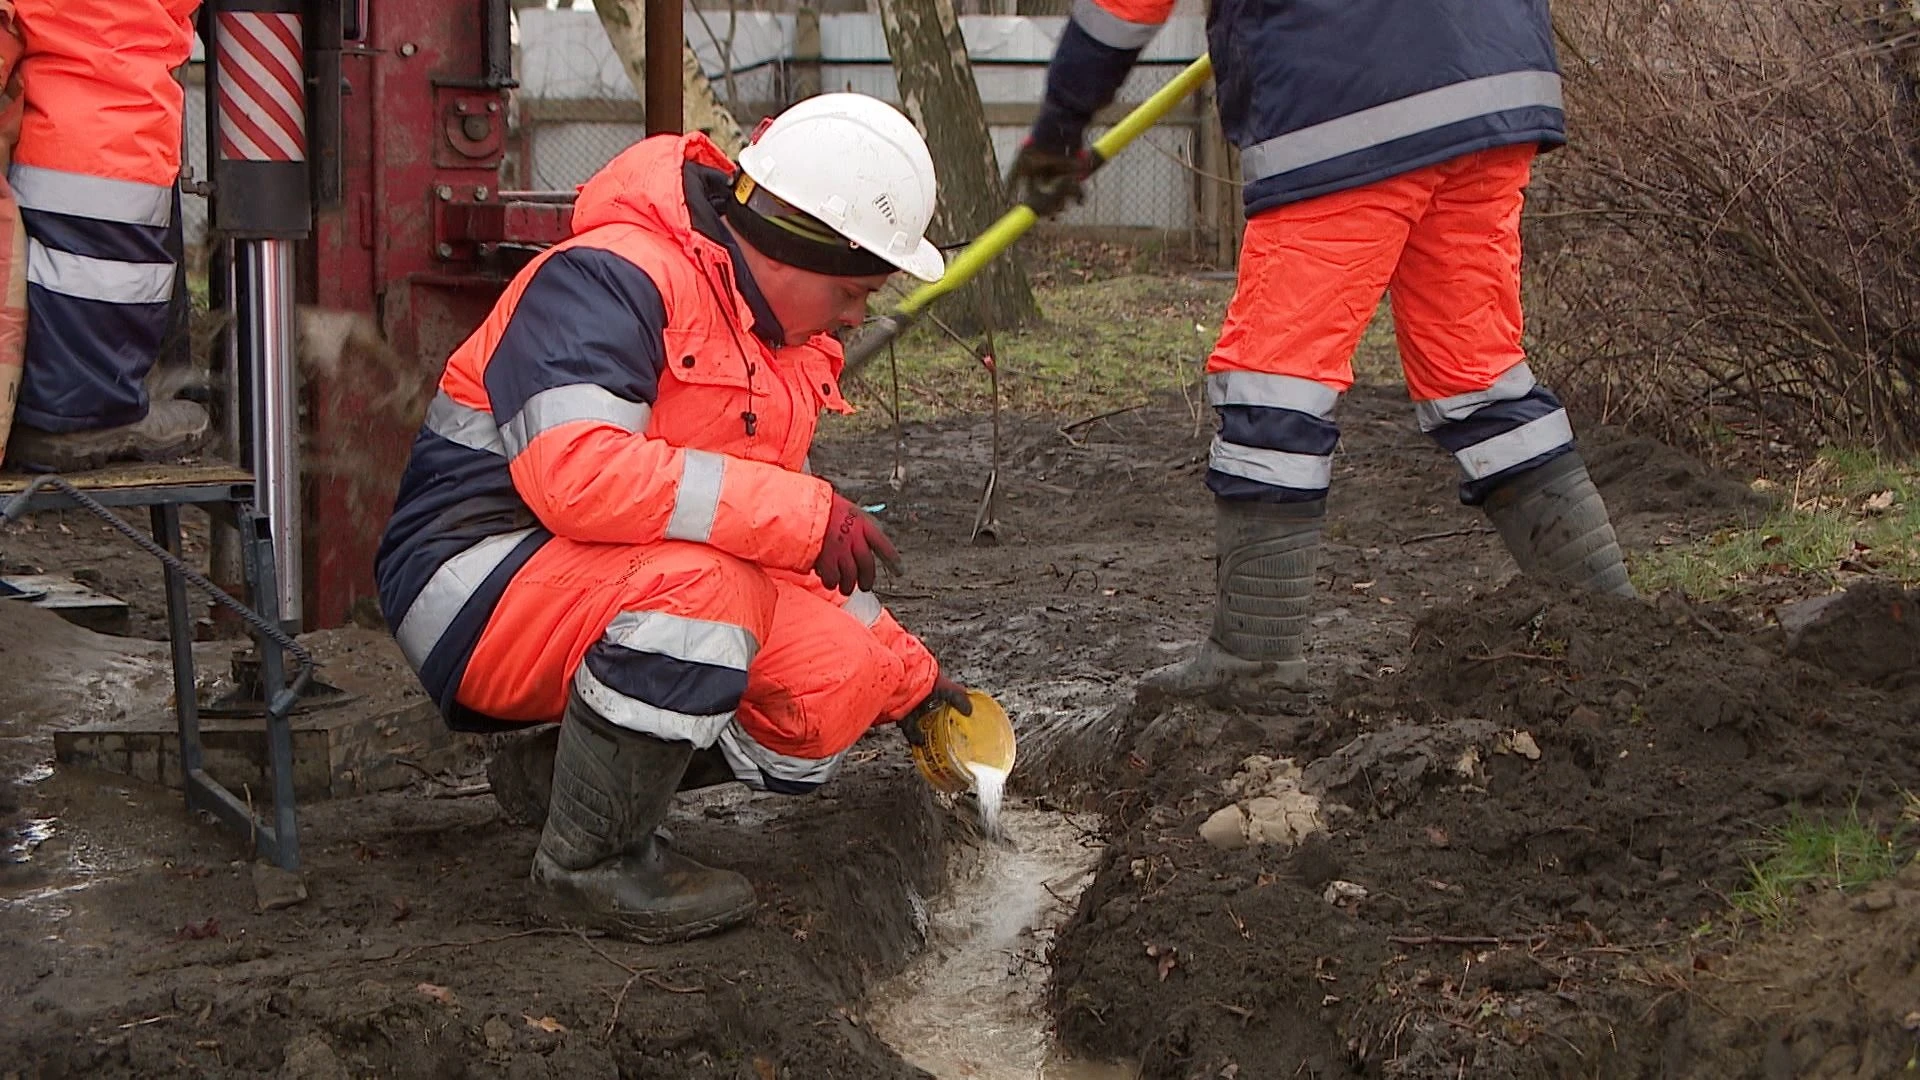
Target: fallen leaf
<point>1770,541</point>
<point>765,1069</point>
<point>438,993</point>
<point>1167,963</point>
<point>1229,1071</point>
<point>546,1023</point>
<point>1879,503</point>
<point>1437,836</point>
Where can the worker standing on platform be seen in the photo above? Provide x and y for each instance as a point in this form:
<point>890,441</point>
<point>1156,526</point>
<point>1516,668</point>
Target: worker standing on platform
<point>95,175</point>
<point>1385,144</point>
<point>608,518</point>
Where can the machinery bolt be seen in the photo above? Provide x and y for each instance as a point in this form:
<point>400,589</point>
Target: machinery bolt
<point>409,49</point>
<point>475,128</point>
<point>493,106</point>
<point>445,251</point>
<point>443,193</point>
<point>480,194</point>
<point>460,106</point>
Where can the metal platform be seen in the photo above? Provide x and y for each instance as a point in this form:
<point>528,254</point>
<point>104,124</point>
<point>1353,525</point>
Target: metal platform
<point>163,490</point>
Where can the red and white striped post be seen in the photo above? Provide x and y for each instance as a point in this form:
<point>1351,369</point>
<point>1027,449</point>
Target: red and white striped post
<point>261,202</point>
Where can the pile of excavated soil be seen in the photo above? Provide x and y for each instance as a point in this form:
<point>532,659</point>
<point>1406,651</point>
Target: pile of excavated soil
<point>1525,899</point>
<point>1836,995</point>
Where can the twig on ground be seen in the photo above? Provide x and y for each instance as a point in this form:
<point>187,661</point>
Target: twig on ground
<point>417,949</point>
<point>1471,530</point>
<point>1451,939</point>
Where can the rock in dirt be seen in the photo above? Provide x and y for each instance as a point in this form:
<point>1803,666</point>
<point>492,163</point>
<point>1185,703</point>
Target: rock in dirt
<point>274,888</point>
<point>309,1057</point>
<point>1869,634</point>
<point>1272,808</point>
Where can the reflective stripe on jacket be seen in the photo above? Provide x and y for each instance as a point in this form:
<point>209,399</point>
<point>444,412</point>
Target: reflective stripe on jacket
<point>1325,95</point>
<point>618,393</point>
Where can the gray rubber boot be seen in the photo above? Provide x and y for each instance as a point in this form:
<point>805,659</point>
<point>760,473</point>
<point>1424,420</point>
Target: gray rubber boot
<point>1555,524</point>
<point>520,772</point>
<point>1268,554</point>
<point>600,864</point>
<point>170,430</point>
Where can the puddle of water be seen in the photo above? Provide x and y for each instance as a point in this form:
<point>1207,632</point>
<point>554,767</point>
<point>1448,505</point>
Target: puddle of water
<point>971,1007</point>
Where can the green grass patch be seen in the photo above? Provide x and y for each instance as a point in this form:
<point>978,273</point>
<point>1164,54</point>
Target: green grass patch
<point>1809,853</point>
<point>1847,513</point>
<point>1105,344</point>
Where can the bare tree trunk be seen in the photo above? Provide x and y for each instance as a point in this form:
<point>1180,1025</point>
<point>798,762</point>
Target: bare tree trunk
<point>626,26</point>
<point>936,81</point>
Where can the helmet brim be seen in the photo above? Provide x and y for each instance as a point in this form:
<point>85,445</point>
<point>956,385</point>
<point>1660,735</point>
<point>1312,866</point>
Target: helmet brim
<point>925,263</point>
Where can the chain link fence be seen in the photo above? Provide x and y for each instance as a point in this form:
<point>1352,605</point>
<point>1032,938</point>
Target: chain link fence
<point>575,109</point>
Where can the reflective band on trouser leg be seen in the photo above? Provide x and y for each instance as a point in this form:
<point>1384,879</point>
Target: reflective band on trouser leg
<point>1276,437</point>
<point>768,770</point>
<point>100,284</point>
<point>447,592</point>
<point>1510,427</point>
<point>667,676</point>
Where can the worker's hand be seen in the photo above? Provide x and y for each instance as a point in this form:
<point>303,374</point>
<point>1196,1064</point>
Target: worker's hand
<point>853,543</point>
<point>1048,179</point>
<point>945,692</point>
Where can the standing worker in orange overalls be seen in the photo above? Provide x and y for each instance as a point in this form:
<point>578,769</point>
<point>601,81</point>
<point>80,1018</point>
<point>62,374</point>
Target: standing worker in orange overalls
<point>608,519</point>
<point>1385,145</point>
<point>94,175</point>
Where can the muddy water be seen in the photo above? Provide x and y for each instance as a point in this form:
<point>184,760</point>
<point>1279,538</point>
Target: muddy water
<point>972,1005</point>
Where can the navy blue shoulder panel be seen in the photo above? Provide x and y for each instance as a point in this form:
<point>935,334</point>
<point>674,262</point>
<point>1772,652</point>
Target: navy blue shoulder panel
<point>587,316</point>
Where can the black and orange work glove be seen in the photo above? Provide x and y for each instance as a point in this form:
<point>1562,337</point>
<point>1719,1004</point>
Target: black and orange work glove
<point>853,544</point>
<point>945,692</point>
<point>1048,179</point>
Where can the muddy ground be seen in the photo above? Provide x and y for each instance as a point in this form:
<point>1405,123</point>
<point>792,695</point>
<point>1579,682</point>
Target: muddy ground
<point>1522,917</point>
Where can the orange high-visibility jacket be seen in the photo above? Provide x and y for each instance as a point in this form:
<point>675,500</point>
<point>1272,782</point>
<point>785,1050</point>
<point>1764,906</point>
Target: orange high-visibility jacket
<point>626,389</point>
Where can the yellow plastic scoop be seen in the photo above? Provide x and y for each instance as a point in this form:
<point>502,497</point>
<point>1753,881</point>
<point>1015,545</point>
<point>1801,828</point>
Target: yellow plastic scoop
<point>958,747</point>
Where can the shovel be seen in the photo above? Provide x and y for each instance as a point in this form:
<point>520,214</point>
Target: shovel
<point>1014,223</point>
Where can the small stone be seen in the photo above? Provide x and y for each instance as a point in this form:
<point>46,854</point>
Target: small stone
<point>1524,745</point>
<point>274,888</point>
<point>309,1057</point>
<point>1342,893</point>
<point>1227,828</point>
<point>497,1032</point>
<point>1469,764</point>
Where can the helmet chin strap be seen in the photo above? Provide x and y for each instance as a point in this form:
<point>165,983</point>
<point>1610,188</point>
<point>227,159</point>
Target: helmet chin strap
<point>787,235</point>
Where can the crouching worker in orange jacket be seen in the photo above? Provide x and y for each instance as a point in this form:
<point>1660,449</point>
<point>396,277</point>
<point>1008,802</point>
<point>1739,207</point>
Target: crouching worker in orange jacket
<point>608,519</point>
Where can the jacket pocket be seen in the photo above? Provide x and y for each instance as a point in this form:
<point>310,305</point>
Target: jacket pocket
<point>696,359</point>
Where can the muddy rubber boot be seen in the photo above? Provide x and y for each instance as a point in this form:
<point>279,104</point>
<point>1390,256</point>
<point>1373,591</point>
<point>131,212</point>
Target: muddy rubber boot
<point>1268,555</point>
<point>1554,522</point>
<point>600,864</point>
<point>520,772</point>
<point>171,430</point>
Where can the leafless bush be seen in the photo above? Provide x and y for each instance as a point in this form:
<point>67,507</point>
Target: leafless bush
<point>1729,243</point>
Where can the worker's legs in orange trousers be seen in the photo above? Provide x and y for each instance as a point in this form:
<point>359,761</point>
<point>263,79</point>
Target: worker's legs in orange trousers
<point>683,642</point>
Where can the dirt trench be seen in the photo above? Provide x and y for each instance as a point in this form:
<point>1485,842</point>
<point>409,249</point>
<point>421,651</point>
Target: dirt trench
<point>1523,918</point>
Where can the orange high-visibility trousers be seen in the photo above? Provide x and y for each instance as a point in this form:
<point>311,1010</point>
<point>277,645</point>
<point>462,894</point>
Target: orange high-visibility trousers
<point>94,174</point>
<point>1444,243</point>
<point>682,641</point>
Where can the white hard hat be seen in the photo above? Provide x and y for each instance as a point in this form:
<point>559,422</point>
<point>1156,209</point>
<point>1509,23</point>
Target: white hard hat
<point>859,167</point>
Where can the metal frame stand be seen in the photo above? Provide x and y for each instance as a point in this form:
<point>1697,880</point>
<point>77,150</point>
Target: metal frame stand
<point>276,836</point>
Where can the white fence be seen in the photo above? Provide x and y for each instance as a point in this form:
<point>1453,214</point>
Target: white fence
<point>575,108</point>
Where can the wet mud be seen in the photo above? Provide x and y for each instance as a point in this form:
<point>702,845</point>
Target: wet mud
<point>1470,909</point>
